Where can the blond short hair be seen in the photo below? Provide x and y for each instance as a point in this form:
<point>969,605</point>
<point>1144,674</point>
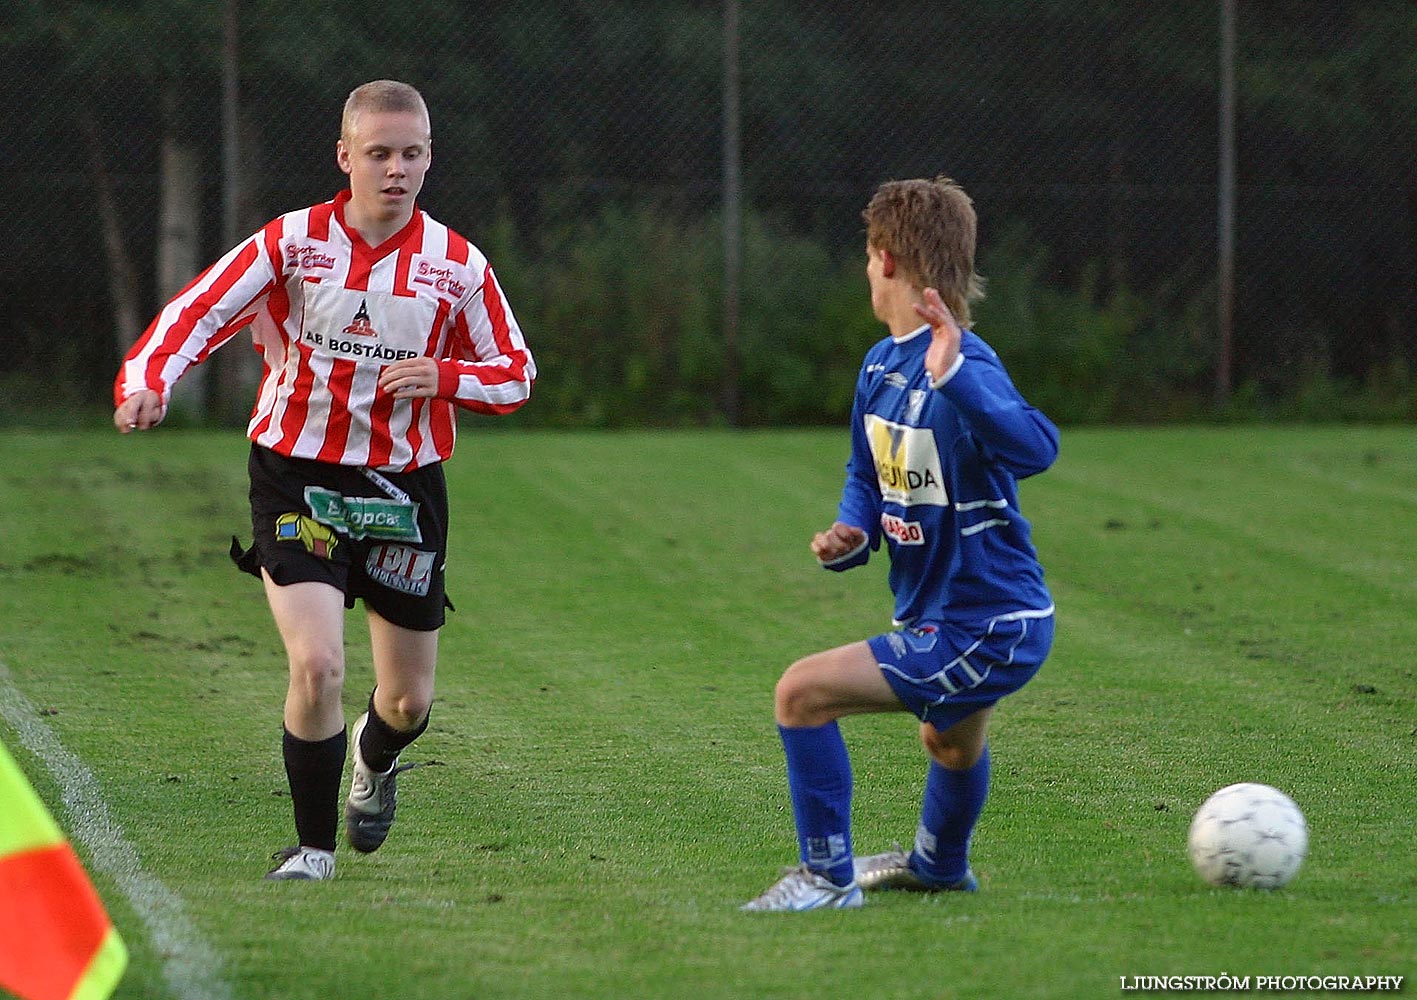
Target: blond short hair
<point>930,228</point>
<point>381,95</point>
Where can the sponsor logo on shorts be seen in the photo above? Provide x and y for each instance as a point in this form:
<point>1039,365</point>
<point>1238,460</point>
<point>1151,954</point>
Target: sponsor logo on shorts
<point>365,517</point>
<point>904,532</point>
<point>401,568</point>
<point>317,539</point>
<point>922,639</point>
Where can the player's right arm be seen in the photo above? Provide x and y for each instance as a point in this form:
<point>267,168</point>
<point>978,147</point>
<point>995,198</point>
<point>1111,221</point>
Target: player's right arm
<point>838,542</point>
<point>850,539</point>
<point>198,320</point>
<point>139,412</point>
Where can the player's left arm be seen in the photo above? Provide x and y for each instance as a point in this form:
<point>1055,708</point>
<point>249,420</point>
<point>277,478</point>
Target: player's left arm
<point>490,369</point>
<point>411,378</point>
<point>1014,433</point>
<point>856,532</point>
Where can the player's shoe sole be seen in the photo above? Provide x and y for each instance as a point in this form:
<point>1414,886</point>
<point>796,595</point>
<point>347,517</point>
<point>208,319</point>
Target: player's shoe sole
<point>803,889</point>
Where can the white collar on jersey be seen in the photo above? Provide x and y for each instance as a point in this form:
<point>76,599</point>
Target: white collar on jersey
<point>911,335</point>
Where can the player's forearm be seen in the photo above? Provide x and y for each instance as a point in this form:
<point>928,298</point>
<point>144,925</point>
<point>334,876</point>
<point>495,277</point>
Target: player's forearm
<point>500,385</point>
<point>195,322</point>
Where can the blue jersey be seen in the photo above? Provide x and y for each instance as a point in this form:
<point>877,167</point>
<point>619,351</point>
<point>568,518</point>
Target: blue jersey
<point>935,472</point>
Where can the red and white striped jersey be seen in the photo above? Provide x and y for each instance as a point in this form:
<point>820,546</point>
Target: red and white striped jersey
<point>327,313</point>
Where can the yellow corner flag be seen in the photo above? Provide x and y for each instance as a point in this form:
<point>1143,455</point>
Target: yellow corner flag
<point>56,941</point>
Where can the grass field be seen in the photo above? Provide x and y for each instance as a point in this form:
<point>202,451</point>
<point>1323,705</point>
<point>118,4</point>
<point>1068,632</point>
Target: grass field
<point>1234,604</point>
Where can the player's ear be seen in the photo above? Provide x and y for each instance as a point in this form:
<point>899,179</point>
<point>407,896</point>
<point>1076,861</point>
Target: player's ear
<point>887,264</point>
<point>342,155</point>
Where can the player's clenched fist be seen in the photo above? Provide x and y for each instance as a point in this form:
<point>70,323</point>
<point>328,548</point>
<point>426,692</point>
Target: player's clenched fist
<point>139,412</point>
<point>837,541</point>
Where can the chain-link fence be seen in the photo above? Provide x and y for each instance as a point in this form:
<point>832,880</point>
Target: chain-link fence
<point>588,147</point>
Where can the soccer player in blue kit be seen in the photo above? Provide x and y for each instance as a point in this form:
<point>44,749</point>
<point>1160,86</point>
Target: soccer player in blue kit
<point>939,438</point>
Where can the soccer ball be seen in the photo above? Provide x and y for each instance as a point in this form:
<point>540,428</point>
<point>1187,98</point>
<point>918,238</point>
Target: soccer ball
<point>1248,835</point>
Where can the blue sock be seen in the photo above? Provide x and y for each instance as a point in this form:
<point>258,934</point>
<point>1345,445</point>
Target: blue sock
<point>819,778</point>
<point>953,802</point>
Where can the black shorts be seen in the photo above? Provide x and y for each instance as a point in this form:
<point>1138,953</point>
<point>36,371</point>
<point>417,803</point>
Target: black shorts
<point>377,536</point>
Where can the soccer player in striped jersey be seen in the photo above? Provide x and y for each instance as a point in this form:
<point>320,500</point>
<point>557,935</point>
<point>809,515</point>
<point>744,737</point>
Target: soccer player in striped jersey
<point>939,438</point>
<point>376,324</point>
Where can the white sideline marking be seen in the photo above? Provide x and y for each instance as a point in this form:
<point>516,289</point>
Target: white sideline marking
<point>189,964</point>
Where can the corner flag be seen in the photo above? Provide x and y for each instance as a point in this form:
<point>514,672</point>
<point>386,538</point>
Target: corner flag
<point>56,941</point>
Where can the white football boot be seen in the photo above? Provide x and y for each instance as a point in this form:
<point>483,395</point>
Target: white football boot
<point>803,889</point>
<point>373,798</point>
<point>307,864</point>
<point>892,870</point>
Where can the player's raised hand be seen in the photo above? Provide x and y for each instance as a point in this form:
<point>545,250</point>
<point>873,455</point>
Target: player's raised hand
<point>944,333</point>
<point>837,541</point>
<point>139,412</point>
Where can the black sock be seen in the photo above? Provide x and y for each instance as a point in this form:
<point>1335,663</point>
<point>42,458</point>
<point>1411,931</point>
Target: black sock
<point>380,744</point>
<point>315,770</point>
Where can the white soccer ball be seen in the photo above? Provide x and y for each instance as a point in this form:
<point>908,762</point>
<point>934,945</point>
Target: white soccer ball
<point>1248,835</point>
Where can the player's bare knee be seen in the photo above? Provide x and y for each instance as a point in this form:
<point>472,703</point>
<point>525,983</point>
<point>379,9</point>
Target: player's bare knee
<point>795,703</point>
<point>785,699</point>
<point>948,750</point>
<point>318,673</point>
<point>406,712</point>
<point>954,758</point>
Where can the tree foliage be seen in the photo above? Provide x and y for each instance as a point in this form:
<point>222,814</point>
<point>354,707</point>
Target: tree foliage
<point>580,143</point>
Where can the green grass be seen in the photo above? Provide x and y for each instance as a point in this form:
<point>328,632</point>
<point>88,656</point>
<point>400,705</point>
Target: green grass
<point>1234,604</point>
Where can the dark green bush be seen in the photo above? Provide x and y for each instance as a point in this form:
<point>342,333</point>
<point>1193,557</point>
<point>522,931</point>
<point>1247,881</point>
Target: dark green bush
<point>623,309</point>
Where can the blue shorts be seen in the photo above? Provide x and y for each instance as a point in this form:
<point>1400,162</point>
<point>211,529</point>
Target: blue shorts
<point>944,672</point>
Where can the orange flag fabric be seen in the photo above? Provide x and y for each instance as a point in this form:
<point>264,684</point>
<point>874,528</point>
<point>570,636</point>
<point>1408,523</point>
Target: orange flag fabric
<point>56,941</point>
